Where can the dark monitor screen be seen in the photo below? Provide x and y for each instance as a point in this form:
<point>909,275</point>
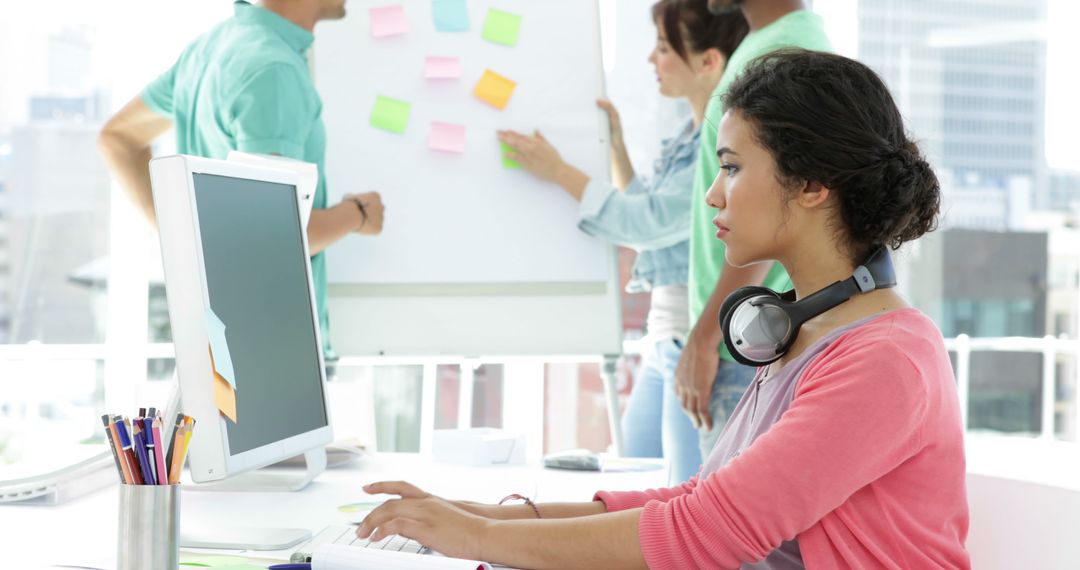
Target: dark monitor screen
<point>256,276</point>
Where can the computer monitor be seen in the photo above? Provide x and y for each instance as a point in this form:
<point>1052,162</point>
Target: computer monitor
<point>233,244</point>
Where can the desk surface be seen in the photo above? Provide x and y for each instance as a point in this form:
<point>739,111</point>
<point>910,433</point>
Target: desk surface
<point>83,532</point>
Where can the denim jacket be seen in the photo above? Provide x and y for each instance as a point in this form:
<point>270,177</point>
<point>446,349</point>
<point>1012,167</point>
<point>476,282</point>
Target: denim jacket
<point>651,215</point>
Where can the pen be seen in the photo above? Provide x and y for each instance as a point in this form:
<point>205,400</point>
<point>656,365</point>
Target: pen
<point>112,446</point>
<point>172,439</point>
<point>291,566</point>
<point>144,459</point>
<point>159,458</point>
<point>128,479</point>
<point>129,455</point>
<point>178,458</point>
<point>148,441</point>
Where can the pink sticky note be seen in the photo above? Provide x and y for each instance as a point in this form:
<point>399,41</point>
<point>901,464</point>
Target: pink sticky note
<point>437,67</point>
<point>388,21</point>
<point>447,137</point>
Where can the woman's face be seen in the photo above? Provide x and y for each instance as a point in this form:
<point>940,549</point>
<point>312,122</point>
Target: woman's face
<point>752,204</point>
<point>675,76</point>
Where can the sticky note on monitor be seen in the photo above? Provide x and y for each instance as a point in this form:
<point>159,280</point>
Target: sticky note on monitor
<point>219,347</point>
<point>494,89</point>
<point>389,114</point>
<point>447,137</point>
<point>439,67</point>
<point>502,27</point>
<point>388,21</point>
<point>224,393</point>
<point>507,162</point>
<point>450,15</point>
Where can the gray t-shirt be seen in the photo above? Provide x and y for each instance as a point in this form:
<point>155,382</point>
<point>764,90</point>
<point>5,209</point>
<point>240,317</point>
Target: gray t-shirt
<point>765,400</point>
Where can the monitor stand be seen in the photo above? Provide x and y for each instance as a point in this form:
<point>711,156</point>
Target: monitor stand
<point>231,537</point>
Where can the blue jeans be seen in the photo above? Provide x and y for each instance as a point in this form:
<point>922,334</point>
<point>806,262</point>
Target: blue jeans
<point>654,424</point>
<point>732,379</point>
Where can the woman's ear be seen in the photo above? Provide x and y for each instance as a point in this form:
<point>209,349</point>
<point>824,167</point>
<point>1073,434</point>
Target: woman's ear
<point>813,195</point>
<point>712,61</point>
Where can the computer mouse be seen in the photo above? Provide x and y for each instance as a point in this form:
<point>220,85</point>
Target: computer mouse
<point>577,459</point>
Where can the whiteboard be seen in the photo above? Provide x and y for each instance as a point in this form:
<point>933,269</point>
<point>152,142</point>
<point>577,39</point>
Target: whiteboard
<point>474,258</point>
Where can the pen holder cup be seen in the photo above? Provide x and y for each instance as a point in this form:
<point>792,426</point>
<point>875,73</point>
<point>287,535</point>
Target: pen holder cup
<point>149,531</point>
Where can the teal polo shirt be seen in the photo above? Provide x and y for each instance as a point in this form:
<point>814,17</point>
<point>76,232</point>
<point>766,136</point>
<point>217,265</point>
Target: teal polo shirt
<point>245,85</point>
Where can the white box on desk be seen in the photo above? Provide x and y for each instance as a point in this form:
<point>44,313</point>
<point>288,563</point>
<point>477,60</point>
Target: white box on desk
<point>478,447</point>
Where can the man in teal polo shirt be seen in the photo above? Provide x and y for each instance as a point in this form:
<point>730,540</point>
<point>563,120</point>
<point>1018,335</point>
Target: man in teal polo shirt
<point>245,86</point>
<point>708,380</point>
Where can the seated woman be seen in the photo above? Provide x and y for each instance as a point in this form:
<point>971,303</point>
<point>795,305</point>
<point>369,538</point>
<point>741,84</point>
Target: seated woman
<point>846,451</point>
<point>653,216</point>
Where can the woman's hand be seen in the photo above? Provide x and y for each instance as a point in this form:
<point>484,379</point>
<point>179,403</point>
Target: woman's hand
<point>534,153</point>
<point>694,378</point>
<point>614,121</point>
<point>427,519</point>
<point>410,491</point>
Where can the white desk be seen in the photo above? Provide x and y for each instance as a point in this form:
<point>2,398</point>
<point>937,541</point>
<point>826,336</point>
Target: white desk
<point>83,532</point>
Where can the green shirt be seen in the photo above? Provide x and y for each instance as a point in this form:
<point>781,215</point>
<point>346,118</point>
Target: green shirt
<point>797,29</point>
<point>245,85</point>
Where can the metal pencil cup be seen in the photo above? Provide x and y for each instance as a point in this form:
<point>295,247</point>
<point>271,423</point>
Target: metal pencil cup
<point>149,532</point>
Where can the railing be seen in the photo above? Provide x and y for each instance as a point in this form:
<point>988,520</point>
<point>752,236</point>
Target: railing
<point>963,346</point>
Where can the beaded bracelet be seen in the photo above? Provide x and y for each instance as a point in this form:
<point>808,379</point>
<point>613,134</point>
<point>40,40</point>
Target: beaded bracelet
<point>528,501</point>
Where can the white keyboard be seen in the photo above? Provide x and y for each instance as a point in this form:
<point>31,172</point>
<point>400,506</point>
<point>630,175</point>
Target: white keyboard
<point>345,534</point>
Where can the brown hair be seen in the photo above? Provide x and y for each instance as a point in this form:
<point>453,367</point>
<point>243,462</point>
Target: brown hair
<point>689,26</point>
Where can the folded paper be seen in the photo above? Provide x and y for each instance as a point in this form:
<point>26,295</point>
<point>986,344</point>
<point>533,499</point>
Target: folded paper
<point>215,331</point>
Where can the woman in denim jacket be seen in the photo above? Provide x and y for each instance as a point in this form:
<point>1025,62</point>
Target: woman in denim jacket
<point>653,216</point>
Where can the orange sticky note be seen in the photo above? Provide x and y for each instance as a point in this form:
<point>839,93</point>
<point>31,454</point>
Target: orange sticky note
<point>224,395</point>
<point>494,89</point>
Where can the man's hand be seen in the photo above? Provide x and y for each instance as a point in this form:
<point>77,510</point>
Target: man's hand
<point>371,212</point>
<point>694,378</point>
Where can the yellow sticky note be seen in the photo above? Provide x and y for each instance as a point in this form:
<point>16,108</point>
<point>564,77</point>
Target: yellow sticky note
<point>494,89</point>
<point>224,394</point>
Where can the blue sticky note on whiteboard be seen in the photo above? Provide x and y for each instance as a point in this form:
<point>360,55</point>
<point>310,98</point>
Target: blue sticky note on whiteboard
<point>215,330</point>
<point>450,15</point>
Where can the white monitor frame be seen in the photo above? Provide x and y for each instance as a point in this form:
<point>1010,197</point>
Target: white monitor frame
<point>209,457</point>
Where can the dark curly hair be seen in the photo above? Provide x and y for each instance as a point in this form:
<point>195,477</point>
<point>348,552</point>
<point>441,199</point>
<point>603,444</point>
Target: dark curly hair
<point>829,119</point>
<point>689,24</point>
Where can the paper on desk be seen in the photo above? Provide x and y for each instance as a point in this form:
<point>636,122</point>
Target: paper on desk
<point>494,89</point>
<point>388,21</point>
<point>502,27</point>
<point>219,347</point>
<point>343,557</point>
<point>224,394</point>
<point>450,15</point>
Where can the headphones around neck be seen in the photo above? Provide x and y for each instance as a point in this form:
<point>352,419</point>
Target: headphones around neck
<point>760,325</point>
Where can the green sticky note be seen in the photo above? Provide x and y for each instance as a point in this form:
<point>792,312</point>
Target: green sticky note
<point>506,162</point>
<point>502,27</point>
<point>390,114</point>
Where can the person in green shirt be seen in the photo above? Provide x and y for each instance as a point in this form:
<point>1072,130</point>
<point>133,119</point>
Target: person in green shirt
<point>244,85</point>
<point>707,379</point>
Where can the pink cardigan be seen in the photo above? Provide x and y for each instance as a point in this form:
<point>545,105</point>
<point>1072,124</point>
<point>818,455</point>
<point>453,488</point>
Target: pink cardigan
<point>865,469</point>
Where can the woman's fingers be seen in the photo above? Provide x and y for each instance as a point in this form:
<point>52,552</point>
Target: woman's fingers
<point>406,490</point>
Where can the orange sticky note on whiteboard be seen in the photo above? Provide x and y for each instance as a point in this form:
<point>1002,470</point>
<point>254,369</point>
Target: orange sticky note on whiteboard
<point>494,89</point>
<point>224,395</point>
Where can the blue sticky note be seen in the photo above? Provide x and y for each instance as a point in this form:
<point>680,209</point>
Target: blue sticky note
<point>450,15</point>
<point>215,330</point>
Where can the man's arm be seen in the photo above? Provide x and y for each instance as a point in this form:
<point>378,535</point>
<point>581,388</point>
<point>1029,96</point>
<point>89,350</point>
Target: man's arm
<point>696,371</point>
<point>124,143</point>
<point>360,213</point>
